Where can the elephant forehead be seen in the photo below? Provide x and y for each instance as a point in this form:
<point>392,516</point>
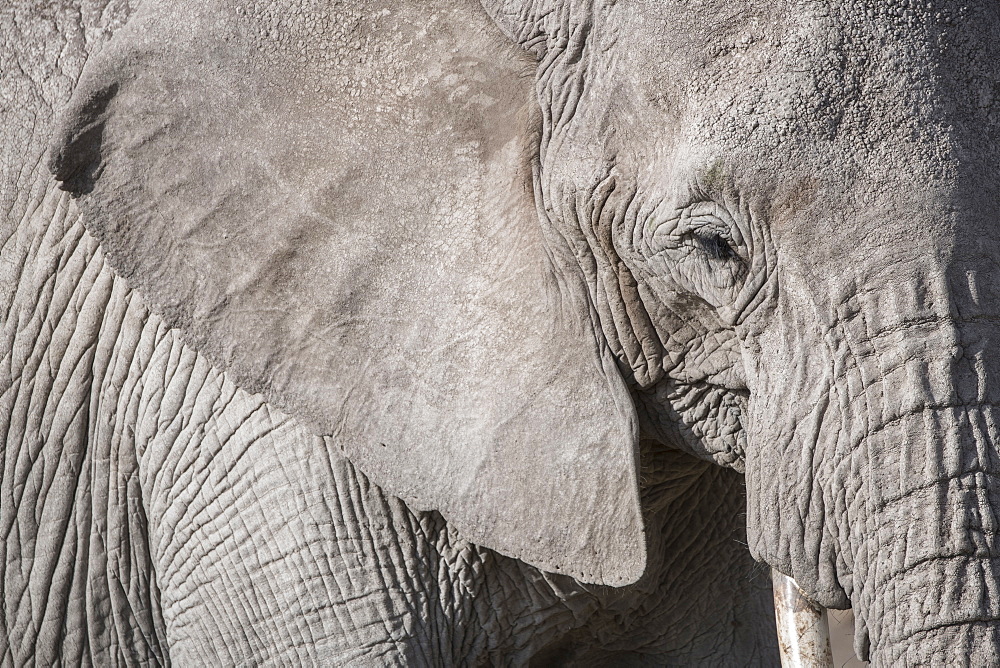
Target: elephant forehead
<point>822,113</point>
<point>885,78</point>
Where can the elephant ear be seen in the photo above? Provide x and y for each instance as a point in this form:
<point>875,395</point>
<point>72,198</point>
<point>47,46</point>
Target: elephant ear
<point>334,202</point>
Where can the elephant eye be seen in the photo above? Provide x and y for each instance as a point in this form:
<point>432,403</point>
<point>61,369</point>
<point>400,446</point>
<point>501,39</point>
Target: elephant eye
<point>715,246</point>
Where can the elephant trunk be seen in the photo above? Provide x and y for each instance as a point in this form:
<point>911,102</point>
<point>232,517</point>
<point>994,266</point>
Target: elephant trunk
<point>971,644</point>
<point>880,488</point>
<point>925,541</point>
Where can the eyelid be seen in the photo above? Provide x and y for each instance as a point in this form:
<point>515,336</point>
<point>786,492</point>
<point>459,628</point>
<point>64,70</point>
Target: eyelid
<point>711,212</point>
<point>669,233</point>
<point>705,223</point>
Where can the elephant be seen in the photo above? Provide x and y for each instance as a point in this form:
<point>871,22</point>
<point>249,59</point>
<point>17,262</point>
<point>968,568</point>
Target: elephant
<point>517,332</point>
<point>156,510</point>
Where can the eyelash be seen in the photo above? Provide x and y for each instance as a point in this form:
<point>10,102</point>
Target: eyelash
<point>715,245</point>
<point>704,232</point>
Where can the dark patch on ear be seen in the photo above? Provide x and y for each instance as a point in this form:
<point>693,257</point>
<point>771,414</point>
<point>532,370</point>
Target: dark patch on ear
<point>75,153</point>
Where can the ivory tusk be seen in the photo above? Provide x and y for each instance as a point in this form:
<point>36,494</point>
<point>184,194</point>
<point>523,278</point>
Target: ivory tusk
<point>803,630</point>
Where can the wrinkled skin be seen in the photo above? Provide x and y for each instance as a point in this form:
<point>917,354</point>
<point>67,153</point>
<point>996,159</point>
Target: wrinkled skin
<point>153,512</point>
<point>170,515</point>
<point>853,304</point>
<point>826,190</point>
<point>785,214</point>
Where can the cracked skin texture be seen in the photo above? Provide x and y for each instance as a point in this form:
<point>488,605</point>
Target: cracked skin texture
<point>209,527</point>
<point>374,252</point>
<point>155,512</point>
<point>573,247</point>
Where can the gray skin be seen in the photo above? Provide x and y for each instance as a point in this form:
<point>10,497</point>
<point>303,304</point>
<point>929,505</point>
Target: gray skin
<point>769,226</point>
<point>155,512</point>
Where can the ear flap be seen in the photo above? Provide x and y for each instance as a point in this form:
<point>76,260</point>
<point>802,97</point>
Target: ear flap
<point>334,202</point>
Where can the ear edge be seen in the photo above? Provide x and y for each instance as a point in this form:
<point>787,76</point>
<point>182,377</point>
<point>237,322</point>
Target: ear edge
<point>518,20</point>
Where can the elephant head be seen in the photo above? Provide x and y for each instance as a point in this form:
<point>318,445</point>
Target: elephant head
<point>487,248</point>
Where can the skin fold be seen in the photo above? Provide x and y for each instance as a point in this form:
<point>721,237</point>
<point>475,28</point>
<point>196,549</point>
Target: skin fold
<point>154,512</point>
<point>756,240</point>
<point>203,526</point>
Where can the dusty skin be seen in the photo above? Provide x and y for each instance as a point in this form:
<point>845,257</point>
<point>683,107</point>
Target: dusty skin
<point>497,333</point>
